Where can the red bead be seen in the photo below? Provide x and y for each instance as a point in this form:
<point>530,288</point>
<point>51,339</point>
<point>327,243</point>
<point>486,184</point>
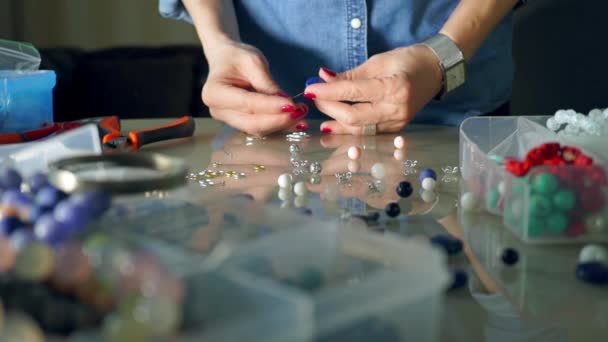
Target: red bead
<point>517,168</point>
<point>597,175</point>
<point>591,199</point>
<point>549,150</point>
<point>576,228</point>
<point>554,161</point>
<point>582,160</point>
<point>570,153</point>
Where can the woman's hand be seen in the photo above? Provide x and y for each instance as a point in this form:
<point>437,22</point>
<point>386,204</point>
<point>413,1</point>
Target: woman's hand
<point>387,90</point>
<point>241,92</point>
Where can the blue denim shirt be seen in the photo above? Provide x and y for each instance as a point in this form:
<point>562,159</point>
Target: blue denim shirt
<point>297,37</point>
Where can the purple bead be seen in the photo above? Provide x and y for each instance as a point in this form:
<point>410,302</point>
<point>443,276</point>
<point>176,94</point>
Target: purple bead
<point>427,173</point>
<point>16,198</point>
<point>96,202</point>
<point>49,196</point>
<point>10,178</point>
<point>8,224</point>
<point>36,182</point>
<point>50,230</point>
<point>594,272</point>
<point>313,80</point>
<point>459,279</point>
<point>73,216</point>
<point>20,238</point>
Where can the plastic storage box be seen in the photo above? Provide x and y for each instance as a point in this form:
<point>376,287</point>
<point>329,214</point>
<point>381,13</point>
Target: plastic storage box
<point>26,100</point>
<point>572,210</point>
<point>362,287</point>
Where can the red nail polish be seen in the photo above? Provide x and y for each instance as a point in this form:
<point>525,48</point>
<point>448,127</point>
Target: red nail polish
<point>288,109</point>
<point>310,96</point>
<point>282,94</point>
<point>329,72</point>
<point>326,130</point>
<point>301,127</point>
<point>297,114</point>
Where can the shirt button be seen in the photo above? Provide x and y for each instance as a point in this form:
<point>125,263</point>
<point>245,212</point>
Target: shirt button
<point>355,23</point>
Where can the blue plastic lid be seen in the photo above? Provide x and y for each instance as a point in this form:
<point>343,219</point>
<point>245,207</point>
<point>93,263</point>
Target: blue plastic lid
<point>29,79</point>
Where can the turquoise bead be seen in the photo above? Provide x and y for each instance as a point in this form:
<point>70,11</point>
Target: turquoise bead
<point>539,205</point>
<point>557,222</point>
<point>545,183</point>
<point>310,279</point>
<point>492,199</point>
<point>564,200</point>
<point>536,226</point>
<point>497,159</point>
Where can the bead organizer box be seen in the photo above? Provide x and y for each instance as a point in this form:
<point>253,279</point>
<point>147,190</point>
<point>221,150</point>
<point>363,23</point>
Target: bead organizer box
<point>546,189</point>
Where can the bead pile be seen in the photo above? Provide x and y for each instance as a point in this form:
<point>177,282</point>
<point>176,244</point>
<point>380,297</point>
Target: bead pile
<point>569,122</point>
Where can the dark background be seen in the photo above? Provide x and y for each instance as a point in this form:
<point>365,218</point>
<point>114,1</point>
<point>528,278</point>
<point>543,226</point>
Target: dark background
<point>140,65</point>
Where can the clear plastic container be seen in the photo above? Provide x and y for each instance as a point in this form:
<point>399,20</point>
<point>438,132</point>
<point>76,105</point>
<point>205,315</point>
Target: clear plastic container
<point>362,287</point>
<point>534,216</point>
<point>26,100</point>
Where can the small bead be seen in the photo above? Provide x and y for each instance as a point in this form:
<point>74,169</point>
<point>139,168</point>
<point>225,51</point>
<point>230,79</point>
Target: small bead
<point>459,279</point>
<point>497,159</point>
<point>595,224</point>
<point>300,189</point>
<point>592,272</point>
<point>10,179</point>
<point>450,245</point>
<point>36,182</point>
<point>427,173</point>
<point>313,80</point>
<point>404,189</point>
<point>310,279</point>
<point>428,196</point>
<point>315,168</point>
<point>354,152</point>
<point>564,200</point>
<point>429,184</point>
<point>392,209</point>
<point>284,180</point>
<point>49,196</point>
<point>8,224</point>
<point>300,201</point>
<point>354,166</point>
<point>284,194</point>
<point>293,148</point>
<point>399,142</point>
<point>509,256</point>
<point>539,205</point>
<point>591,253</point>
<point>545,183</point>
<point>469,201</point>
<point>378,171</point>
<point>492,198</point>
<point>399,155</point>
<point>557,222</point>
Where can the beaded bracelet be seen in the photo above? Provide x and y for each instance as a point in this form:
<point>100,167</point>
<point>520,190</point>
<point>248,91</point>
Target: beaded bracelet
<point>569,122</point>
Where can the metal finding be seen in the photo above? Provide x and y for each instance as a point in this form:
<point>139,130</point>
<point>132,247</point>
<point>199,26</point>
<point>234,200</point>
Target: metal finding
<point>344,177</point>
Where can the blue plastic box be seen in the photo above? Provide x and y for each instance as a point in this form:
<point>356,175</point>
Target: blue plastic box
<point>26,99</point>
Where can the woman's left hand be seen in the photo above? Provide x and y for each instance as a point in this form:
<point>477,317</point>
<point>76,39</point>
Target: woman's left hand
<point>387,90</point>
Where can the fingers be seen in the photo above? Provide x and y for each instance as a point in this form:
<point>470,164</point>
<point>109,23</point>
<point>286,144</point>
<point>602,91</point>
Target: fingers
<point>261,124</point>
<point>220,94</point>
<point>336,127</point>
<point>356,115</point>
<point>358,90</point>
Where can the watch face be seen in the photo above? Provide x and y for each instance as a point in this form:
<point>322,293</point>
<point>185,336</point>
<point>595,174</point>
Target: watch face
<point>455,77</point>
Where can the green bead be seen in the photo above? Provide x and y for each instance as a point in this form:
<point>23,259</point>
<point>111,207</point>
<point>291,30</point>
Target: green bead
<point>539,205</point>
<point>497,159</point>
<point>557,222</point>
<point>492,198</point>
<point>310,279</point>
<point>545,183</point>
<point>536,226</point>
<point>518,187</point>
<point>564,200</point>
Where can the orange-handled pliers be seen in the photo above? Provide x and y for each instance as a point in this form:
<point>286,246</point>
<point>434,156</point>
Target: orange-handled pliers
<point>182,128</point>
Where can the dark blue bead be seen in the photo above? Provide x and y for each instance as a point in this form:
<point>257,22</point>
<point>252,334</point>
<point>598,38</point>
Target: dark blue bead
<point>509,256</point>
<point>36,182</point>
<point>49,196</point>
<point>10,178</point>
<point>392,209</point>
<point>20,238</point>
<point>94,202</point>
<point>304,211</point>
<point>313,80</point>
<point>72,216</point>
<point>404,189</point>
<point>50,230</point>
<point>592,272</point>
<point>8,224</point>
<point>449,244</point>
<point>427,173</point>
<point>459,279</point>
<point>36,212</point>
<point>16,198</point>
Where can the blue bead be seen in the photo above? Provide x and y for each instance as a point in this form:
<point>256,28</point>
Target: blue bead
<point>36,212</point>
<point>36,182</point>
<point>8,224</point>
<point>20,238</point>
<point>10,178</point>
<point>592,272</point>
<point>16,198</point>
<point>404,189</point>
<point>449,244</point>
<point>459,279</point>
<point>427,173</point>
<point>392,209</point>
<point>313,80</point>
<point>509,256</point>
<point>95,202</point>
<point>50,230</point>
<point>73,216</point>
<point>49,196</point>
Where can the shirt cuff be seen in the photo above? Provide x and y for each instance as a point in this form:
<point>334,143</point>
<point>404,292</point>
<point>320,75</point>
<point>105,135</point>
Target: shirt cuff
<point>173,9</point>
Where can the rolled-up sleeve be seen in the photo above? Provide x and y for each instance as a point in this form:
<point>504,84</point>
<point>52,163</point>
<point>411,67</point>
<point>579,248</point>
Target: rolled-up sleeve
<point>173,9</point>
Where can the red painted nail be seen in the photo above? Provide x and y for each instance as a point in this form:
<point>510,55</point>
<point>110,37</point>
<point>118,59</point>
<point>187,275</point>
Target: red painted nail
<point>288,109</point>
<point>301,127</point>
<point>329,72</point>
<point>325,130</point>
<point>283,94</point>
<point>310,96</point>
<point>297,114</point>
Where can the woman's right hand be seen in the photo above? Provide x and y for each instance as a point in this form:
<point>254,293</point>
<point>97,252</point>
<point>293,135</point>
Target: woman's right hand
<point>241,92</point>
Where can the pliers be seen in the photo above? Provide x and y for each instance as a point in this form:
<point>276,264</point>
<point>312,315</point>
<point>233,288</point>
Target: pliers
<point>182,128</point>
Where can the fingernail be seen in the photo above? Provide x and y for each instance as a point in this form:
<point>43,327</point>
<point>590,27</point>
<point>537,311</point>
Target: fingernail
<point>325,130</point>
<point>303,107</point>
<point>282,94</point>
<point>301,127</point>
<point>329,72</point>
<point>310,96</point>
<point>288,109</point>
<point>313,80</point>
<point>297,114</point>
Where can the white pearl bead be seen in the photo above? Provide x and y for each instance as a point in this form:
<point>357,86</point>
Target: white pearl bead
<point>300,189</point>
<point>502,187</point>
<point>591,253</point>
<point>378,171</point>
<point>300,201</point>
<point>284,194</point>
<point>284,180</point>
<point>354,152</point>
<point>399,142</point>
<point>354,166</point>
<point>428,196</point>
<point>469,201</point>
<point>399,155</point>
<point>429,184</point>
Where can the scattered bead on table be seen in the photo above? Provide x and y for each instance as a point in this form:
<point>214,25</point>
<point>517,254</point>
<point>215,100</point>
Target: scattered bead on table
<point>378,171</point>
<point>354,152</point>
<point>509,256</point>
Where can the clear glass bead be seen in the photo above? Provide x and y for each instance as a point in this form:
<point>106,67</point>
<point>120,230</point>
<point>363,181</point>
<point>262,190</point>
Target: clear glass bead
<point>553,125</point>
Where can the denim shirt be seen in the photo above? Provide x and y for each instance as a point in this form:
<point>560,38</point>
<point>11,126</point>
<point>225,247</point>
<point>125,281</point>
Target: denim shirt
<point>297,37</point>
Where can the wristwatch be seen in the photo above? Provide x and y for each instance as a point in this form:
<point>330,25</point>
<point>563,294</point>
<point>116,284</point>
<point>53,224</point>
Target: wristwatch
<point>451,60</point>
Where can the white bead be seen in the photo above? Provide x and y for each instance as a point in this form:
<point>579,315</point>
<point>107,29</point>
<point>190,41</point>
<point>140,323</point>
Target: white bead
<point>552,124</point>
<point>605,114</point>
<point>502,187</point>
<point>354,152</point>
<point>595,114</point>
<point>300,201</point>
<point>592,253</point>
<point>284,194</point>
<point>378,171</point>
<point>286,205</point>
<point>399,142</point>
<point>354,166</point>
<point>428,196</point>
<point>284,180</point>
<point>429,184</point>
<point>399,155</point>
<point>469,201</point>
<point>561,116</point>
<point>300,189</point>
<point>596,223</point>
